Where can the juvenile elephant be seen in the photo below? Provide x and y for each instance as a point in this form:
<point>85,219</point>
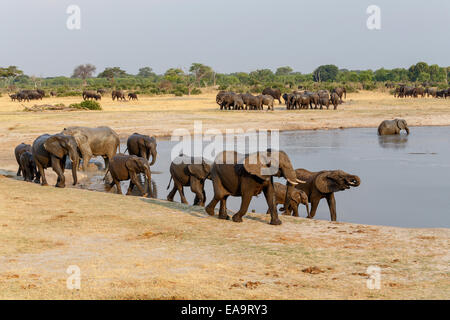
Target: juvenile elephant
<point>266,100</point>
<point>52,151</point>
<point>189,171</point>
<point>142,146</point>
<point>21,148</point>
<point>132,96</point>
<point>92,142</point>
<point>388,127</point>
<point>296,197</point>
<point>275,93</point>
<point>324,184</point>
<point>29,167</point>
<point>245,176</point>
<point>335,100</point>
<point>125,167</point>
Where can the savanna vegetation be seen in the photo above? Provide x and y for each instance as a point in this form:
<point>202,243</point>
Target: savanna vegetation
<point>190,81</point>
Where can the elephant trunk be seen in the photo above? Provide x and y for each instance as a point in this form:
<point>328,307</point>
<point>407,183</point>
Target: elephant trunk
<point>407,130</point>
<point>307,210</point>
<point>154,154</point>
<point>73,154</point>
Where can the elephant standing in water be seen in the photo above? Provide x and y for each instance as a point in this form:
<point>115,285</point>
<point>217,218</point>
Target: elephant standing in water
<point>124,167</point>
<point>92,142</point>
<point>142,146</point>
<point>388,127</point>
<point>245,176</point>
<point>324,184</point>
<point>52,151</point>
<point>189,171</point>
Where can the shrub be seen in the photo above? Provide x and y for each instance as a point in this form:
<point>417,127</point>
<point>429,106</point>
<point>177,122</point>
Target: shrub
<point>196,91</point>
<point>91,105</point>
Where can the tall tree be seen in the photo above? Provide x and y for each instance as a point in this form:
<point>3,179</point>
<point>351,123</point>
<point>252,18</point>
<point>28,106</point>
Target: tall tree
<point>84,71</point>
<point>283,71</point>
<point>9,74</point>
<point>327,72</point>
<point>145,72</point>
<point>200,71</point>
<point>112,73</point>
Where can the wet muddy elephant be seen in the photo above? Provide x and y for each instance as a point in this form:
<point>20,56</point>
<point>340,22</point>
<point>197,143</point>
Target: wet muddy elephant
<point>189,172</point>
<point>125,167</point>
<point>324,184</point>
<point>245,176</point>
<point>388,127</point>
<point>297,197</point>
<point>93,142</point>
<point>52,151</point>
<point>21,148</point>
<point>142,146</point>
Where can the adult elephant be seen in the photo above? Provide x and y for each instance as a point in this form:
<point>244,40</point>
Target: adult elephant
<point>419,91</point>
<point>230,100</point>
<point>142,146</point>
<point>89,94</point>
<point>266,100</point>
<point>93,142</point>
<point>189,172</point>
<point>245,176</point>
<point>335,100</point>
<point>275,93</point>
<point>324,184</point>
<point>388,127</point>
<point>314,98</point>
<point>52,151</point>
<point>118,94</point>
<point>18,151</point>
<point>340,92</point>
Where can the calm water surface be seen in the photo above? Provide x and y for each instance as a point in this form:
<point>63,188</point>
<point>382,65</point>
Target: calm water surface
<point>405,179</point>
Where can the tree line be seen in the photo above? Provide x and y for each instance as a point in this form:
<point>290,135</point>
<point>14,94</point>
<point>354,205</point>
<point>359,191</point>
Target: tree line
<point>189,81</point>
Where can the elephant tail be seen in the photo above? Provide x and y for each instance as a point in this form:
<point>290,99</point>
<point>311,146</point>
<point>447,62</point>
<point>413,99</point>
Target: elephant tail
<point>170,180</point>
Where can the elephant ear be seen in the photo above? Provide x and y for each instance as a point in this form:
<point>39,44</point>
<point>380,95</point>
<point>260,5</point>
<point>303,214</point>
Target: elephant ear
<point>260,165</point>
<point>197,171</point>
<point>323,183</point>
<point>131,164</point>
<point>53,145</point>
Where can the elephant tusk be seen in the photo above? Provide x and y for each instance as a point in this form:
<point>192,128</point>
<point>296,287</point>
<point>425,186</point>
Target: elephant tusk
<point>292,182</point>
<point>301,181</point>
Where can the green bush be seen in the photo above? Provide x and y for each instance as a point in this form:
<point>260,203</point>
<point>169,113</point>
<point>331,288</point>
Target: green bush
<point>86,105</point>
<point>196,91</point>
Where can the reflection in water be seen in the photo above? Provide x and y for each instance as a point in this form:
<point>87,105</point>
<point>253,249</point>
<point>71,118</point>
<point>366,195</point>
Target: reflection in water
<point>393,170</point>
<point>396,141</point>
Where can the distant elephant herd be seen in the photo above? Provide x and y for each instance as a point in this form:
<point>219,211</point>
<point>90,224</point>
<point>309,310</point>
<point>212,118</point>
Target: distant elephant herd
<point>404,91</point>
<point>295,100</point>
<point>38,94</point>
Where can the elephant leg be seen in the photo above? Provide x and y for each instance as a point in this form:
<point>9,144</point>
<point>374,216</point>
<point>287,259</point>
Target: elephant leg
<point>118,187</point>
<point>56,166</point>
<point>181,192</point>
<point>295,210</point>
<point>42,174</point>
<point>106,159</point>
<point>197,188</point>
<point>223,209</point>
<point>246,198</point>
<point>130,188</point>
<point>314,205</point>
<point>19,171</point>
<point>270,198</point>
<point>332,205</point>
<point>135,181</point>
<point>210,207</point>
<point>172,193</point>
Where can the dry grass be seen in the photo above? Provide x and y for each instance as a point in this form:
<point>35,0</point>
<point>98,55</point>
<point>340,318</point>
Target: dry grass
<point>133,248</point>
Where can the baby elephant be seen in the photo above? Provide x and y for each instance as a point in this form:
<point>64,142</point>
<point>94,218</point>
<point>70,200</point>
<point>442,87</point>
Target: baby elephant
<point>189,171</point>
<point>18,151</point>
<point>297,197</point>
<point>29,167</point>
<point>388,127</point>
<point>123,167</point>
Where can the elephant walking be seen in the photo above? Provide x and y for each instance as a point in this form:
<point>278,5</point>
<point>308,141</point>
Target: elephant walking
<point>125,167</point>
<point>189,171</point>
<point>93,142</point>
<point>388,127</point>
<point>245,176</point>
<point>18,151</point>
<point>296,197</point>
<point>52,151</point>
<point>324,184</point>
<point>29,167</point>
<point>142,146</point>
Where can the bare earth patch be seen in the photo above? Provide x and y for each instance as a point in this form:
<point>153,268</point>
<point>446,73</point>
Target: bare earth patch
<point>136,248</point>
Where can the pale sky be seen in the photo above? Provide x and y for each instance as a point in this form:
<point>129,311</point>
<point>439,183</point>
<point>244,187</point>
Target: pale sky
<point>228,35</point>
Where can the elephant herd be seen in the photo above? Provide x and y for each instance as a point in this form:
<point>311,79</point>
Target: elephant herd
<point>27,95</point>
<point>38,94</point>
<point>231,173</point>
<point>295,100</point>
<point>404,91</point>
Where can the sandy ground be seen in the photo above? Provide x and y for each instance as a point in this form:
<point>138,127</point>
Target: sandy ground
<point>136,248</point>
<point>129,247</point>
